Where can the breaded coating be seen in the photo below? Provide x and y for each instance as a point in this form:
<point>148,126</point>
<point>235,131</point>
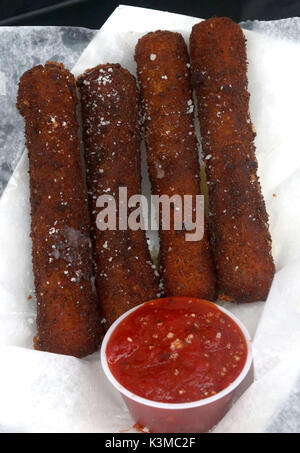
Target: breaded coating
<point>125,275</point>
<point>172,153</point>
<point>239,222</point>
<point>68,316</point>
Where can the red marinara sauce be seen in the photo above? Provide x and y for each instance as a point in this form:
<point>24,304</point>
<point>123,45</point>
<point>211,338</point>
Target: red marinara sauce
<point>176,350</point>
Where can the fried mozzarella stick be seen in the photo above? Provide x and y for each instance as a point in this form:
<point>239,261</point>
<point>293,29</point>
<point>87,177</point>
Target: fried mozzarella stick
<point>239,221</point>
<point>68,317</point>
<point>124,272</point>
<point>163,71</point>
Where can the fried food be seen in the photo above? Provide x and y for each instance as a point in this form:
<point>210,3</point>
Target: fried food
<point>172,153</point>
<point>68,316</point>
<point>238,218</point>
<point>124,272</point>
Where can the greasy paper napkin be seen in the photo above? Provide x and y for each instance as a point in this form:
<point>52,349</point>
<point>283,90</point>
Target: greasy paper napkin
<point>48,392</point>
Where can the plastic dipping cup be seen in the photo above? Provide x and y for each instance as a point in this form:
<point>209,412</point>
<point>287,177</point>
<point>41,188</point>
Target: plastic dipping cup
<point>192,417</point>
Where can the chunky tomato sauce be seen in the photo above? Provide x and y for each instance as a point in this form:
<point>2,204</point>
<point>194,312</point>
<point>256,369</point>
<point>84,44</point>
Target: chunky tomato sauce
<point>176,350</point>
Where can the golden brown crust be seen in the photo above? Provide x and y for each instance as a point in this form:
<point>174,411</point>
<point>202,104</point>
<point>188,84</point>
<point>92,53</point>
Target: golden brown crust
<point>163,72</point>
<point>68,318</point>
<point>239,222</point>
<point>124,271</point>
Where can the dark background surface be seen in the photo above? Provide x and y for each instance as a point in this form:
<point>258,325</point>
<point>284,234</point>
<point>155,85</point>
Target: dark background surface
<point>93,13</point>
